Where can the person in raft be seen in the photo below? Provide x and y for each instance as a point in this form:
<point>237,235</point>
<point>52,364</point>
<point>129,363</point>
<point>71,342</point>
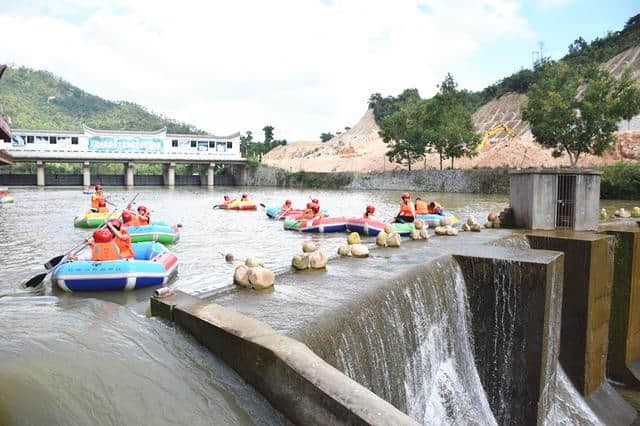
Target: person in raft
<point>96,197</point>
<point>102,206</point>
<point>121,238</point>
<point>315,209</point>
<point>434,208</point>
<point>144,215</point>
<point>369,213</point>
<point>286,207</point>
<point>406,213</point>
<point>421,206</point>
<point>307,213</point>
<point>102,248</point>
<point>245,197</point>
<point>227,200</point>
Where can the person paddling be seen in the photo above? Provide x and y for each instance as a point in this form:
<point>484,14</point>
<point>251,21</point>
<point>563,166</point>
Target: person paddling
<point>102,248</point>
<point>144,215</point>
<point>406,214</point>
<point>121,238</point>
<point>286,208</point>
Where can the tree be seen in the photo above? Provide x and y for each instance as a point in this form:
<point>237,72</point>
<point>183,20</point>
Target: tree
<point>244,143</point>
<point>448,123</point>
<point>403,132</point>
<point>268,133</point>
<point>576,109</point>
<point>324,137</point>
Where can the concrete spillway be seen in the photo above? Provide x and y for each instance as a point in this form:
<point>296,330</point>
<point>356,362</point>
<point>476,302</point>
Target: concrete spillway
<point>458,333</point>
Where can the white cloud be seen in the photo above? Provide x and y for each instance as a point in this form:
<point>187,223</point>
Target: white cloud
<point>303,66</point>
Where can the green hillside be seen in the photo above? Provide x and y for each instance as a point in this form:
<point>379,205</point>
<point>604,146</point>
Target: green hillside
<point>40,100</point>
<point>580,52</point>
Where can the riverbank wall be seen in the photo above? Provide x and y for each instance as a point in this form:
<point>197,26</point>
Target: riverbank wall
<point>478,181</point>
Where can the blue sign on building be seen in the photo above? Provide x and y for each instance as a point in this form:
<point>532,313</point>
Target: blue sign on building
<point>120,144</point>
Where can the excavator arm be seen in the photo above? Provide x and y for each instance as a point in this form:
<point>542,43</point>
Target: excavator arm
<point>501,128</point>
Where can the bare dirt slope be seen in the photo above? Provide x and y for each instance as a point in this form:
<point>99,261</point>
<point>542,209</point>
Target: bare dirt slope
<point>362,149</point>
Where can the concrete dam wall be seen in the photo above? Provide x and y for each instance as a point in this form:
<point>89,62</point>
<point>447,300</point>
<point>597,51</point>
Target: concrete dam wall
<point>444,335</point>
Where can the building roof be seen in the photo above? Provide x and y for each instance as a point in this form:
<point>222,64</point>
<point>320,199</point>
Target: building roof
<point>162,131</point>
<point>182,135</point>
<point>90,131</point>
<point>5,159</point>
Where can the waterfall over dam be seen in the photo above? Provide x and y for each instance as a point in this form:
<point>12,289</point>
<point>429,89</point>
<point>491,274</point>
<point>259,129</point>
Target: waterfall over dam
<point>453,334</point>
<point>410,344</point>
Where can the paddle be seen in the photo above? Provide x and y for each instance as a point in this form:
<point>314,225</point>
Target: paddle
<point>34,281</point>
<point>131,202</point>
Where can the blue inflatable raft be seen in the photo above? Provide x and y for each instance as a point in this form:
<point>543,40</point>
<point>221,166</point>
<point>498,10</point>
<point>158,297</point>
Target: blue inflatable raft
<point>434,219</point>
<point>152,265</point>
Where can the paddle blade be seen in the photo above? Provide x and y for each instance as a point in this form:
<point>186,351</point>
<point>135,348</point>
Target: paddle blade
<point>53,262</point>
<point>35,280</point>
<point>262,205</point>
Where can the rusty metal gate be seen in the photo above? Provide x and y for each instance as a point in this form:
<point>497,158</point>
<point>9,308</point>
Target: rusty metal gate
<point>566,201</point>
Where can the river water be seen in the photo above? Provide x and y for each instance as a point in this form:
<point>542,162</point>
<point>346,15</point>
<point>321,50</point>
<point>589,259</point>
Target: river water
<point>96,358</point>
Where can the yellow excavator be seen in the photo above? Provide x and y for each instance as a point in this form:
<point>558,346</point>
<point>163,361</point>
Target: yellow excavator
<point>501,128</point>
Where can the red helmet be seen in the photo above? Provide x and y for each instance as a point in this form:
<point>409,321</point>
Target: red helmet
<point>115,223</point>
<point>142,209</point>
<point>315,208</point>
<point>244,196</point>
<point>102,203</point>
<point>406,195</point>
<point>98,187</point>
<point>288,202</point>
<point>315,201</point>
<point>371,209</point>
<point>309,205</point>
<point>226,197</point>
<point>126,216</point>
<point>102,236</point>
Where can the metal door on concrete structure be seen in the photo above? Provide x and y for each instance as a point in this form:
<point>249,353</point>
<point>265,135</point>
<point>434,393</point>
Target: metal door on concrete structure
<point>108,180</point>
<point>566,201</point>
<point>63,180</point>
<point>17,179</point>
<point>148,180</point>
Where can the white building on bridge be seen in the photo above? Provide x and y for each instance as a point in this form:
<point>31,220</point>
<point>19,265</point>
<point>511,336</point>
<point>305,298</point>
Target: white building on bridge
<point>129,147</point>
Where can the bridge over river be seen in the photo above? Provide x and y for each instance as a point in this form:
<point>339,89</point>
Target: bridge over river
<point>208,152</point>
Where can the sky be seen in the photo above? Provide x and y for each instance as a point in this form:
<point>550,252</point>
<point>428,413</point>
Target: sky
<point>302,66</point>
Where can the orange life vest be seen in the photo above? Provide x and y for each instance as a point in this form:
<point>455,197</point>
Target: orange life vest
<point>433,210</point>
<point>124,245</point>
<point>306,214</point>
<point>104,251</point>
<point>421,207</point>
<point>103,210</point>
<point>135,221</point>
<point>405,209</point>
<point>95,201</point>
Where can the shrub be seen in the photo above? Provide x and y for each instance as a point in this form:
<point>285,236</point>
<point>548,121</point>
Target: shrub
<point>620,181</point>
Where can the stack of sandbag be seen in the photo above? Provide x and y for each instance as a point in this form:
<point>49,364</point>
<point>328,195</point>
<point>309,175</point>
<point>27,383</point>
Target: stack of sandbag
<point>310,258</point>
<point>253,274</point>
<point>354,247</point>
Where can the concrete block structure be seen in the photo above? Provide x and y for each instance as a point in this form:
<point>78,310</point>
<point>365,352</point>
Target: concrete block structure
<point>555,198</point>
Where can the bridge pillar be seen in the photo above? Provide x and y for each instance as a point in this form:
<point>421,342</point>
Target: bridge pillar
<point>128,177</point>
<point>86,174</point>
<point>169,173</point>
<point>40,173</point>
<point>210,175</point>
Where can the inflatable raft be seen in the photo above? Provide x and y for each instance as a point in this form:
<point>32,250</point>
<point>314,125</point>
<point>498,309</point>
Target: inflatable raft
<point>154,232</point>
<point>273,212</point>
<point>374,227</point>
<point>318,226</point>
<point>434,219</point>
<point>152,265</point>
<point>239,205</point>
<point>93,220</point>
<point>5,198</point>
